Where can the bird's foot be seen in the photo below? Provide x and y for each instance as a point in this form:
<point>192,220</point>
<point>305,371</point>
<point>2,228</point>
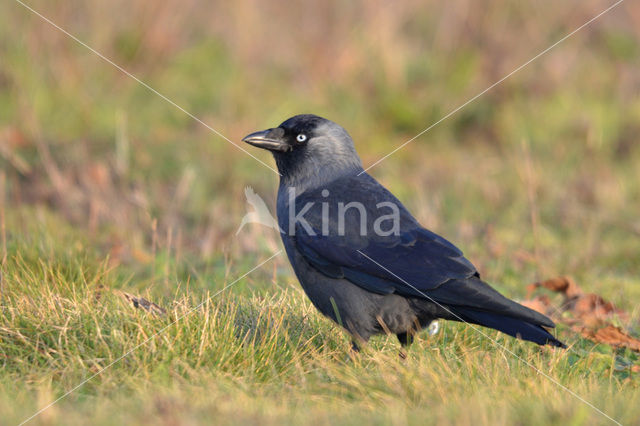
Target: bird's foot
<point>354,351</point>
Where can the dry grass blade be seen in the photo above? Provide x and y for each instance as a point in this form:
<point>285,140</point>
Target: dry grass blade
<point>142,303</point>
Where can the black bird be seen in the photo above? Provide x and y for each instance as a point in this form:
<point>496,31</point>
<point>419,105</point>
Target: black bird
<point>362,258</point>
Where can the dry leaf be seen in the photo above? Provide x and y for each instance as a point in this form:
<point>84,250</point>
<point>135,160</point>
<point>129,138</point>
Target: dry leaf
<point>142,303</point>
<point>540,304</point>
<point>613,336</point>
<point>565,285</point>
<point>590,314</point>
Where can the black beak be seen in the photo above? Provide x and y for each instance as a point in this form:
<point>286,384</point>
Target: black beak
<point>271,139</point>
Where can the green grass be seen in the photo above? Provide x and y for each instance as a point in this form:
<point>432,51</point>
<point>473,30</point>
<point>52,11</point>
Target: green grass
<point>258,352</point>
<point>106,188</point>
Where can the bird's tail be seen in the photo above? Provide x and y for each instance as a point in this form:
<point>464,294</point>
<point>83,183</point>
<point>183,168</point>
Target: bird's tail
<point>512,326</point>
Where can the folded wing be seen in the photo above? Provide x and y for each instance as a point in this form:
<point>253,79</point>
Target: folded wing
<point>414,262</point>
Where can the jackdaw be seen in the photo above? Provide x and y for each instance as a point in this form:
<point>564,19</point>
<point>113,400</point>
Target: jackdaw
<point>362,258</point>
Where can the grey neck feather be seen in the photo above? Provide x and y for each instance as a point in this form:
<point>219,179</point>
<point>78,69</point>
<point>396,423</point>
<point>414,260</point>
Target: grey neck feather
<point>324,159</point>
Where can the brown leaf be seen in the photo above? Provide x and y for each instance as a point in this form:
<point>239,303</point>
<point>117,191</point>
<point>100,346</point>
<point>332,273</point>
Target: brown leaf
<point>540,304</point>
<point>565,285</point>
<point>142,303</point>
<point>589,314</point>
<point>595,305</point>
<point>589,306</point>
<point>613,336</point>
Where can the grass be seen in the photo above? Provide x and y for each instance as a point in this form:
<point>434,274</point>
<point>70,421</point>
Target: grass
<point>258,353</point>
<point>105,188</point>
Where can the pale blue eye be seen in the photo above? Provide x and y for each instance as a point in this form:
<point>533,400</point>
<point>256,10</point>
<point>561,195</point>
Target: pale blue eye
<point>301,137</point>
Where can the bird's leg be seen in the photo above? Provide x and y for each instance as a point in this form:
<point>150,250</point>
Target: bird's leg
<point>354,351</point>
<point>405,338</point>
<point>358,340</point>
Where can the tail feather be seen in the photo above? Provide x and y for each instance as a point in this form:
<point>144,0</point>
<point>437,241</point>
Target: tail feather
<point>509,325</point>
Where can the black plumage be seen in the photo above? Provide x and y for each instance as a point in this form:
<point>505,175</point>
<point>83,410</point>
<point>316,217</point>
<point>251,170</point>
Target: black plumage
<point>361,257</point>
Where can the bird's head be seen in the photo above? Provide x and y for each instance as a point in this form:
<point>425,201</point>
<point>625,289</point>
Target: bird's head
<point>308,149</point>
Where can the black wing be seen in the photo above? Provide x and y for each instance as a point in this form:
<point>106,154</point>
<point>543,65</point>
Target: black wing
<point>414,262</point>
<point>412,253</point>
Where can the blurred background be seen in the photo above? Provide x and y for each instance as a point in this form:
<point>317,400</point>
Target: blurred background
<point>104,185</point>
<point>541,173</point>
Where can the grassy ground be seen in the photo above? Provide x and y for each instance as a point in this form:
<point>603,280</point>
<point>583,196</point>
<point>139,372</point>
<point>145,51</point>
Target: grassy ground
<point>106,188</point>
